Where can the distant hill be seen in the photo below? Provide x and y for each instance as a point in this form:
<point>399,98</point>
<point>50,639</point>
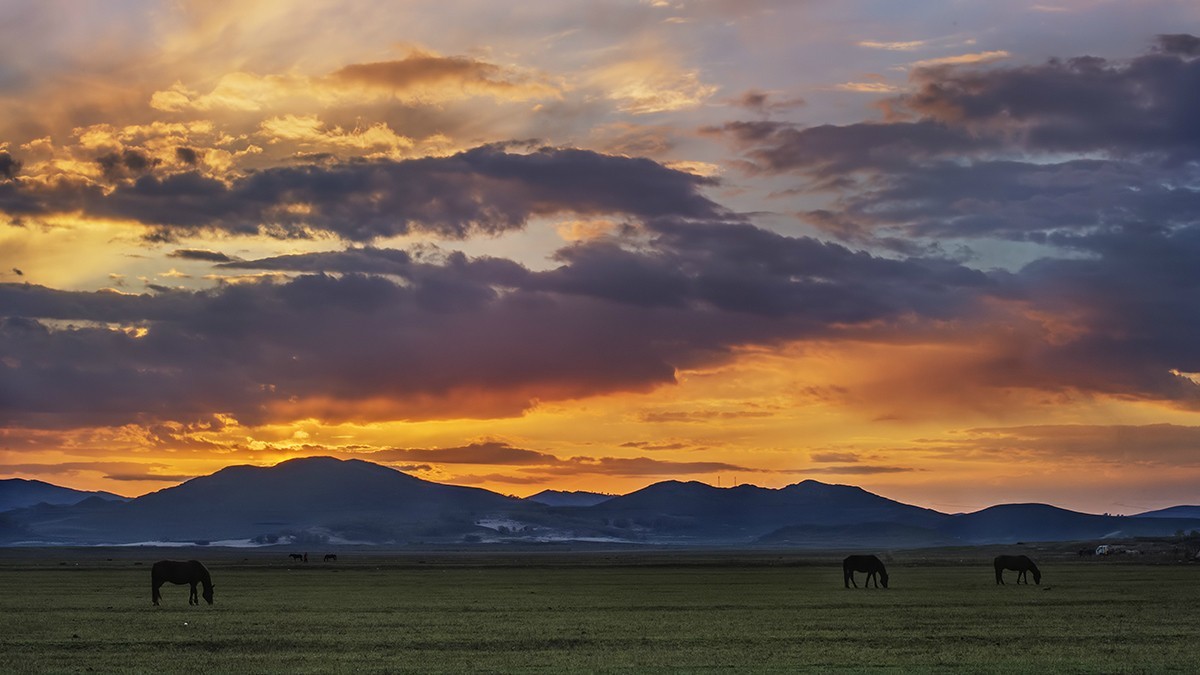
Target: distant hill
<point>563,498</point>
<point>1010,523</point>
<point>1173,512</point>
<point>312,497</point>
<point>18,493</point>
<point>744,513</point>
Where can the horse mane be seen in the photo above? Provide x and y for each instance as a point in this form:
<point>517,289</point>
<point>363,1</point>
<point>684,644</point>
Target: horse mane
<point>205,577</point>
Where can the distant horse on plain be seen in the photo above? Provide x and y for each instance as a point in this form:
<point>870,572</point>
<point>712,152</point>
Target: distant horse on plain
<point>296,556</point>
<point>1019,563</point>
<point>180,572</point>
<point>864,563</point>
<point>330,557</point>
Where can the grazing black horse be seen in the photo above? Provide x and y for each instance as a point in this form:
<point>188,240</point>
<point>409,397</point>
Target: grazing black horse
<point>330,556</point>
<point>864,563</point>
<point>1020,563</point>
<point>179,572</point>
<point>296,556</point>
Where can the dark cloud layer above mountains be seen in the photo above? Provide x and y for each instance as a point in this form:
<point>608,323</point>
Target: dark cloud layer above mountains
<point>478,337</point>
<point>487,190</point>
<point>487,337</point>
<point>1096,162</point>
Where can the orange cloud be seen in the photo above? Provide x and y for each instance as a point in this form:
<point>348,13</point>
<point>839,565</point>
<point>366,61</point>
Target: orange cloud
<point>420,77</point>
<point>423,75</point>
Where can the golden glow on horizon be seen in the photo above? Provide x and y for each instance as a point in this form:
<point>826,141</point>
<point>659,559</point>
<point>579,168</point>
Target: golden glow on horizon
<point>771,412</point>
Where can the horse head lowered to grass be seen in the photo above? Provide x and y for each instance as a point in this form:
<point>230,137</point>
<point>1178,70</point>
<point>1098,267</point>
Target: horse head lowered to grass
<point>1021,564</point>
<point>181,572</point>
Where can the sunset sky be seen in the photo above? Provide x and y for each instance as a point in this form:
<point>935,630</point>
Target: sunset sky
<point>948,251</point>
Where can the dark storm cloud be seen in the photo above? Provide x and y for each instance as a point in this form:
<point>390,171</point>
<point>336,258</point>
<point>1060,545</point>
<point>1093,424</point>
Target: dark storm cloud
<point>764,102</point>
<point>432,268</point>
<point>424,69</point>
<point>28,300</point>
<point>453,336</point>
<point>364,260</point>
<point>1013,153</point>
<point>126,163</point>
<point>1083,104</point>
<point>744,269</point>
<point>476,453</point>
<point>187,155</point>
<point>124,471</point>
<point>9,166</point>
<point>651,445</point>
<point>695,267</point>
<point>829,153</point>
<point>200,254</point>
<point>1022,201</point>
<point>498,453</point>
<point>1180,43</point>
<point>486,190</point>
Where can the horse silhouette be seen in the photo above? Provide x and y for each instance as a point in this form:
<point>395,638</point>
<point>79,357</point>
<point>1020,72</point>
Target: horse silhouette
<point>179,572</point>
<point>330,556</point>
<point>864,563</point>
<point>296,556</point>
<point>1021,564</point>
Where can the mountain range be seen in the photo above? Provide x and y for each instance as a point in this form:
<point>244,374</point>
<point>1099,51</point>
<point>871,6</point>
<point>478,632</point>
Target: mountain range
<point>16,493</point>
<point>322,500</point>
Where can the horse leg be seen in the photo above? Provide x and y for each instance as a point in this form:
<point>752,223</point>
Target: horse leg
<point>999,576</point>
<point>155,595</point>
<point>1022,575</point>
<point>850,579</point>
<point>193,599</point>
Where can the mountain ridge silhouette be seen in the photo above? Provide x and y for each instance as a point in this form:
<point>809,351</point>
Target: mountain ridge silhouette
<point>330,501</point>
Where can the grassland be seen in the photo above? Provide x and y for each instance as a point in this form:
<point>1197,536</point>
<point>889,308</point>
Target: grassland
<point>87,611</point>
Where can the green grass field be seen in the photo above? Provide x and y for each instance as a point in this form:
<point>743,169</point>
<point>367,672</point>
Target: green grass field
<point>625,612</point>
